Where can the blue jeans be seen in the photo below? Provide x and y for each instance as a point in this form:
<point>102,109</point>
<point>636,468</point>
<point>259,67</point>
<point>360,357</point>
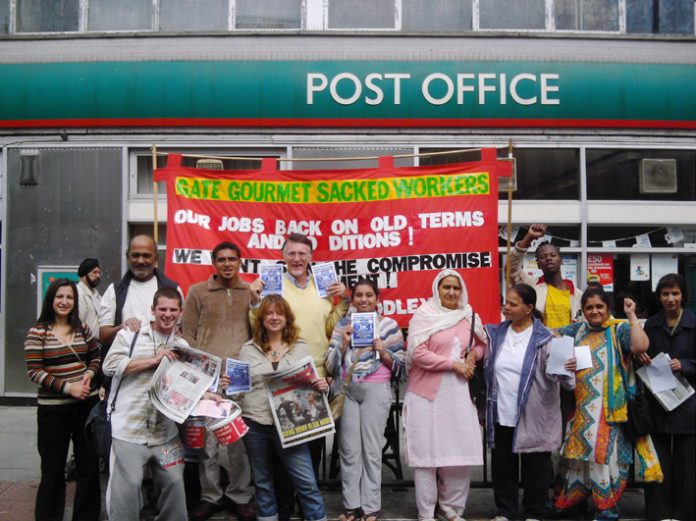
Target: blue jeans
<point>263,446</point>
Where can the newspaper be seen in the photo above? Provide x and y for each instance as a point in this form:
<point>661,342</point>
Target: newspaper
<point>178,385</point>
<point>300,412</point>
<point>672,398</point>
<point>364,328</point>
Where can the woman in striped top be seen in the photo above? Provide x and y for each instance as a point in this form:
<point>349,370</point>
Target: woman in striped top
<point>368,401</point>
<point>63,357</point>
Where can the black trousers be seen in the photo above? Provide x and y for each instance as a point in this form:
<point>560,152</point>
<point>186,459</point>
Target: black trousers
<point>675,497</point>
<point>57,425</point>
<point>536,477</point>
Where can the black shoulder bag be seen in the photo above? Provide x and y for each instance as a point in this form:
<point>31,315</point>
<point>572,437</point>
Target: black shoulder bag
<point>98,423</point>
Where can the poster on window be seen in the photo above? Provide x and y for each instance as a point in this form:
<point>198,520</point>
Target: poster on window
<point>640,267</point>
<point>600,268</point>
<point>396,226</point>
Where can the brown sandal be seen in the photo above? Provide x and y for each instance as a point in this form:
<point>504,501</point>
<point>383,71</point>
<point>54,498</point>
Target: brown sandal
<point>372,516</point>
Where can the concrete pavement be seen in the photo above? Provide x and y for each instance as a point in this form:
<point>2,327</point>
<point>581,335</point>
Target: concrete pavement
<point>20,474</point>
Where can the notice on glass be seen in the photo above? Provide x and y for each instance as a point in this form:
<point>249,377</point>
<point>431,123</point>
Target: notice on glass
<point>324,275</point>
<point>662,264</point>
<point>640,267</point>
<point>583,357</point>
<point>272,277</point>
<point>364,327</point>
<point>560,350</point>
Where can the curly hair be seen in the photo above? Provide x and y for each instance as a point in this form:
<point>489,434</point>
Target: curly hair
<point>280,305</point>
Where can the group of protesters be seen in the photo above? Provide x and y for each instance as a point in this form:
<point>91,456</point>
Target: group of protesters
<point>84,348</point>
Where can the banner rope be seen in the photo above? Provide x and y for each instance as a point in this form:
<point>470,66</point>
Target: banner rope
<point>309,159</point>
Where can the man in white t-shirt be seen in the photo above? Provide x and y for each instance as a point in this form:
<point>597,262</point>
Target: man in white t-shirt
<point>127,304</point>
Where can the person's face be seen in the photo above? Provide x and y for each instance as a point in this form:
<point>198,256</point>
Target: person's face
<point>548,259</point>
<point>515,309</point>
<point>671,298</point>
<point>297,257</point>
<point>93,278</point>
<point>63,302</point>
<point>142,258</point>
<point>227,264</point>
<point>274,320</point>
<point>364,298</point>
<point>450,290</point>
<point>595,311</point>
<point>167,312</point>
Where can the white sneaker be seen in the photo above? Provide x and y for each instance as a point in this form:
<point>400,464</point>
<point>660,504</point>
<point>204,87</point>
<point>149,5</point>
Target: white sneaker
<point>500,518</point>
<point>448,516</point>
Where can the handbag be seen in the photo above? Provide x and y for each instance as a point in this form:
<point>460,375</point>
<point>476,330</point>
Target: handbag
<point>98,423</point>
<point>477,383</point>
<point>337,400</point>
<point>640,420</point>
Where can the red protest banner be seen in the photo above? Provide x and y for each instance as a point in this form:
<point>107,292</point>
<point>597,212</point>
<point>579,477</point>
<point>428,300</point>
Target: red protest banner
<point>399,226</point>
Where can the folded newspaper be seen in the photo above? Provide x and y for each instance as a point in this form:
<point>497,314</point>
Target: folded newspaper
<point>300,412</point>
<point>178,385</point>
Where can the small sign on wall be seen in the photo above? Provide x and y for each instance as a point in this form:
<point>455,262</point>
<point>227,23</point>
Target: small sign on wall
<point>47,274</point>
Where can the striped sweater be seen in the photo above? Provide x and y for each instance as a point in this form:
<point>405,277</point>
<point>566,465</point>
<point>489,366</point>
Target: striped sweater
<point>53,365</point>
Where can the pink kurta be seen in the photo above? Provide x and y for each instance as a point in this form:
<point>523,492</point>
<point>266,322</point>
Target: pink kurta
<point>440,421</point>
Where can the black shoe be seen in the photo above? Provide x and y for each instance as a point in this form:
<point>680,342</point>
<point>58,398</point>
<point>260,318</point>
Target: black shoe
<point>203,511</point>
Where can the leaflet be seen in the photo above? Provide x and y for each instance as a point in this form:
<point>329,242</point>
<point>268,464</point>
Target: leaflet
<point>272,277</point>
<point>364,327</point>
<point>660,374</point>
<point>324,275</point>
<point>238,373</point>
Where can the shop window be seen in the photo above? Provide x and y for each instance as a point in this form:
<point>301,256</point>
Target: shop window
<point>361,14</point>
<point>4,16</point>
<point>521,14</point>
<point>124,15</point>
<point>323,154</point>
<point>652,175</point>
<point>190,15</point>
<point>586,15</point>
<point>662,16</point>
<point>38,16</point>
<point>436,15</point>
<point>142,178</point>
<point>542,173</point>
<point>268,14</point>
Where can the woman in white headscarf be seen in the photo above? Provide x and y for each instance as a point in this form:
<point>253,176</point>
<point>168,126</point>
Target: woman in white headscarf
<point>443,437</point>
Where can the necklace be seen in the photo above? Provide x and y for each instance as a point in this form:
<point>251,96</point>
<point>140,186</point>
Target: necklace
<point>278,352</point>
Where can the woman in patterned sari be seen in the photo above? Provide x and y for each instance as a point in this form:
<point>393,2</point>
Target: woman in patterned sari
<point>595,445</point>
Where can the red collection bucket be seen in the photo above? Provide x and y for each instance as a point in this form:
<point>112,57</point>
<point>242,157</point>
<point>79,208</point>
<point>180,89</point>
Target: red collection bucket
<point>230,429</point>
<point>194,429</point>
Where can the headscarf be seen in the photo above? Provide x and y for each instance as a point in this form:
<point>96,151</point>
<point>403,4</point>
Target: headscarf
<point>432,317</point>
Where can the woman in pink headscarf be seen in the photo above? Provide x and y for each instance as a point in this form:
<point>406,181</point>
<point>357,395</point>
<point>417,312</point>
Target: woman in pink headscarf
<point>443,437</point>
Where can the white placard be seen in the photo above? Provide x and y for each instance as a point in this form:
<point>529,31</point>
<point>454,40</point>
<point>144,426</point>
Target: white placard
<point>560,350</point>
<point>608,244</point>
<point>583,357</point>
<point>674,234</point>
<point>660,374</point>
<point>643,241</point>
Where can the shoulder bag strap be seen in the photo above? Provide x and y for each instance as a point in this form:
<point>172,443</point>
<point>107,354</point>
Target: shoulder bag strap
<point>118,386</point>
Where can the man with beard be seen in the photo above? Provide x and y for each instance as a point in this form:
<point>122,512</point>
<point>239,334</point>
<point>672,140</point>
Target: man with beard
<point>216,320</point>
<point>89,298</point>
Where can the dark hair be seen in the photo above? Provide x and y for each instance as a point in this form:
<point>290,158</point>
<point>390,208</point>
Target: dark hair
<point>669,281</point>
<point>171,293</point>
<point>544,245</point>
<point>290,332</point>
<point>595,290</point>
<point>300,238</point>
<point>48,314</point>
<point>364,281</point>
<point>528,296</point>
<point>226,245</point>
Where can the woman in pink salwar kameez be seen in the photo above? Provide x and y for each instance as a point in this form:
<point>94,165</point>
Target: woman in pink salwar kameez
<point>443,436</point>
